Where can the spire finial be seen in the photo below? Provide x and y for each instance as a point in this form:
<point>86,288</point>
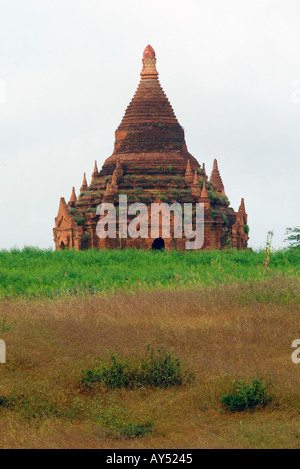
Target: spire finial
<point>149,53</point>
<point>149,63</point>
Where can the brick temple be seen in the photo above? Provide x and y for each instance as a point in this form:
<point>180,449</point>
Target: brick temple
<point>150,163</point>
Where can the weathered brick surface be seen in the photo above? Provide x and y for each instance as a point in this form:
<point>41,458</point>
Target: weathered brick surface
<point>150,163</point>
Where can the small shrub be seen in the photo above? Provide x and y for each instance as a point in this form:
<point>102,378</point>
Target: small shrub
<point>79,220</point>
<point>157,369</point>
<point>224,218</point>
<point>91,377</point>
<point>214,213</point>
<point>90,210</point>
<point>247,396</point>
<point>162,369</point>
<point>72,210</point>
<point>212,195</point>
<point>246,229</point>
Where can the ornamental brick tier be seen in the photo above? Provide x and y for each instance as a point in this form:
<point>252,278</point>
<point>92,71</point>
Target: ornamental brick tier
<point>150,163</point>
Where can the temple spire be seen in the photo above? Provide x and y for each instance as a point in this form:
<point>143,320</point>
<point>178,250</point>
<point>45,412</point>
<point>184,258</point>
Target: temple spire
<point>118,170</point>
<point>216,179</point>
<point>204,198</point>
<point>84,183</point>
<point>108,190</point>
<point>195,181</point>
<point>73,197</point>
<point>204,194</point>
<point>189,177</point>
<point>114,183</point>
<point>195,188</point>
<point>95,172</point>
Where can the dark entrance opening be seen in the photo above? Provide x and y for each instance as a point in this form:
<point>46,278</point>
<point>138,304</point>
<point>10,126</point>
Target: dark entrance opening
<point>158,244</point>
<point>62,245</point>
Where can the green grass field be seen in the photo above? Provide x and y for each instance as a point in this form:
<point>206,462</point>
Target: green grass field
<point>33,272</point>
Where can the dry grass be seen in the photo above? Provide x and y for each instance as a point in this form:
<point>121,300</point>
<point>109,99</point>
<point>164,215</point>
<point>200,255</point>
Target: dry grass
<point>220,333</point>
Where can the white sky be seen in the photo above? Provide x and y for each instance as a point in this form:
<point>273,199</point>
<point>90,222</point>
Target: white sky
<point>230,68</point>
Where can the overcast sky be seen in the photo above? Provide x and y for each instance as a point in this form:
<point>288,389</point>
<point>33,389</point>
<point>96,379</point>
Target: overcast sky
<point>69,68</point>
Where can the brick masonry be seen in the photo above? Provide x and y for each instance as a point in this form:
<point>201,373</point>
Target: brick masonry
<point>150,163</point>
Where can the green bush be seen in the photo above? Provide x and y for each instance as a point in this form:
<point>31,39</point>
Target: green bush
<point>224,218</point>
<point>157,369</point>
<point>79,220</point>
<point>162,369</point>
<point>247,396</point>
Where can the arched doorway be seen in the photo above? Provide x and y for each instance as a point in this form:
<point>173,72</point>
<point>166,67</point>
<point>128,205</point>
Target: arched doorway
<point>62,246</point>
<point>158,244</point>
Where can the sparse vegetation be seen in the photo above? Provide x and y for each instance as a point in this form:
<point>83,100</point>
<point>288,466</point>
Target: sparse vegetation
<point>222,332</point>
<point>79,220</point>
<point>247,396</point>
<point>157,369</point>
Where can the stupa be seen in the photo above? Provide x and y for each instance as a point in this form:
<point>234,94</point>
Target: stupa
<point>150,163</point>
